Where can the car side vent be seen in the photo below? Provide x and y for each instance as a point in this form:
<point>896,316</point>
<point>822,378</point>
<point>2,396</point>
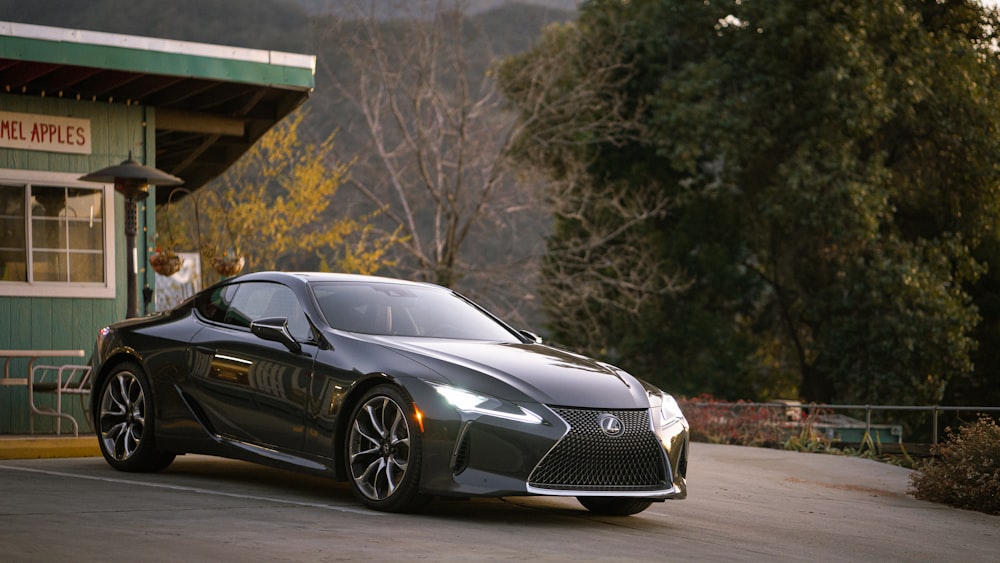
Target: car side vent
<point>198,413</point>
<point>460,458</point>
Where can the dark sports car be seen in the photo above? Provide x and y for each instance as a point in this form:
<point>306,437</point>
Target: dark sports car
<point>406,390</point>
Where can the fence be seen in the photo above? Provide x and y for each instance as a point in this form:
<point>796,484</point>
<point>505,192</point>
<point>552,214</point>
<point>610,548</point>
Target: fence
<point>787,406</point>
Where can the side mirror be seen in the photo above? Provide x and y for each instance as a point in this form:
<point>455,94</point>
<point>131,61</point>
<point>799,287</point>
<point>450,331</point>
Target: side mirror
<point>275,329</point>
<point>534,338</point>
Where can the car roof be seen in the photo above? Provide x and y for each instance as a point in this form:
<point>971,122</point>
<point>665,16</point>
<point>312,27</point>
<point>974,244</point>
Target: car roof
<point>310,277</point>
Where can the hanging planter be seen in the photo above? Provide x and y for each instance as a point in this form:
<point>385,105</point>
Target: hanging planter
<point>165,262</point>
<point>227,265</point>
<point>230,263</point>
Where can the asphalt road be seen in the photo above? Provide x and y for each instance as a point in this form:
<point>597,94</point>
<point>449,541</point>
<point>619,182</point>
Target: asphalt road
<point>743,504</point>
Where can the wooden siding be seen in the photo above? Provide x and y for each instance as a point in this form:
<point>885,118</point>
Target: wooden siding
<point>71,323</point>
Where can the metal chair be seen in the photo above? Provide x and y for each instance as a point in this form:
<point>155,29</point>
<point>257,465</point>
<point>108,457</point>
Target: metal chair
<point>69,379</point>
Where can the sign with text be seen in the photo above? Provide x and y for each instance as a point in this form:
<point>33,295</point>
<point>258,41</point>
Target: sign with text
<point>51,133</point>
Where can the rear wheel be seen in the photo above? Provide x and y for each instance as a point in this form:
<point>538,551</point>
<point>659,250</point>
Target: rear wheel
<point>125,422</point>
<point>383,452</point>
<point>614,506</point>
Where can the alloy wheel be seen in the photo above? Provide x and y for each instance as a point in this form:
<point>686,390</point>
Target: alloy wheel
<point>122,416</point>
<point>379,448</point>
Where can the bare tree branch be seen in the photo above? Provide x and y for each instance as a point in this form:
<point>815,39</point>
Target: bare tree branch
<point>435,134</point>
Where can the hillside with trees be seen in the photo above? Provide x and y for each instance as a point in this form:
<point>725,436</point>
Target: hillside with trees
<point>826,184</point>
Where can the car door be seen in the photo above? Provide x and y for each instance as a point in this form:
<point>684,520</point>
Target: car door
<point>250,389</point>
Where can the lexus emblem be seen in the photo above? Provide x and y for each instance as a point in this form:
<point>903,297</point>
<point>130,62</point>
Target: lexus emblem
<point>610,424</point>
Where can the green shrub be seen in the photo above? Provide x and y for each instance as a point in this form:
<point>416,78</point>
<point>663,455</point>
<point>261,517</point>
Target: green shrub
<point>965,471</point>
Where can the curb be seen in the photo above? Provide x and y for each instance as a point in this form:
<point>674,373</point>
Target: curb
<point>19,447</point>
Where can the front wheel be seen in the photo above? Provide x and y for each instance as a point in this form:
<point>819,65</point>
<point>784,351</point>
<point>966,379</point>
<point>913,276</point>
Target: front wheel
<point>614,506</point>
<point>125,422</point>
<point>383,452</point>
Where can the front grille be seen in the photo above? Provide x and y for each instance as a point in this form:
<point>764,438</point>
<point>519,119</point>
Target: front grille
<point>587,459</point>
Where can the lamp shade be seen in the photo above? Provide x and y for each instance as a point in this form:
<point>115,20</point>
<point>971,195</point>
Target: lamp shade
<point>131,177</point>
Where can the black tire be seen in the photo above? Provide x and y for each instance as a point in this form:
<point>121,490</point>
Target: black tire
<point>125,420</point>
<point>382,452</point>
<point>614,506</point>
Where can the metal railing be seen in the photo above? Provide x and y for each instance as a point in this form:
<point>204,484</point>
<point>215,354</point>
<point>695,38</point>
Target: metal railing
<point>936,410</point>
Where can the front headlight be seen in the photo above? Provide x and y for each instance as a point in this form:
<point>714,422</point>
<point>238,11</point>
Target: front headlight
<point>467,401</point>
<point>670,411</point>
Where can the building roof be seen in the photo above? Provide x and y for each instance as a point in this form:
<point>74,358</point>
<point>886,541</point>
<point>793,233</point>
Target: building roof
<point>212,101</point>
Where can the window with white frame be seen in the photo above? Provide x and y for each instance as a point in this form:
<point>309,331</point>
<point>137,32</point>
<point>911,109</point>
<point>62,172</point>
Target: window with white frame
<point>56,236</point>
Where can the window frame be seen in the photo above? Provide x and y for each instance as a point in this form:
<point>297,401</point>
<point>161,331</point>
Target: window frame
<point>97,290</point>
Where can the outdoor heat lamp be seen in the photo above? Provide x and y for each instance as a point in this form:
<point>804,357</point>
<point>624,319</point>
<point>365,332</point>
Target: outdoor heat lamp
<point>132,179</point>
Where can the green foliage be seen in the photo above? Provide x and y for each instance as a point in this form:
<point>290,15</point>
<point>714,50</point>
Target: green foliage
<point>982,387</point>
<point>831,171</point>
<point>965,472</point>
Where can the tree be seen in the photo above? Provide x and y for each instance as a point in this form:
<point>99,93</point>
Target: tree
<point>597,273</point>
<point>432,140</point>
<point>272,206</point>
<point>831,172</point>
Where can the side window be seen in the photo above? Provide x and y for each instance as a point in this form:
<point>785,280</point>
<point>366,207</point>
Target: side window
<point>283,303</point>
<point>215,305</point>
<point>260,300</point>
<point>248,304</point>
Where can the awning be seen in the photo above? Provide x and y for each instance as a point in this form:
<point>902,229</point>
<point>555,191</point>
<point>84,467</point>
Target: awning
<point>212,102</point>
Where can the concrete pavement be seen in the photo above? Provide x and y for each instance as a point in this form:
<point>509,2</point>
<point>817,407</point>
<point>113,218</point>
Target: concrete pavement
<point>744,504</point>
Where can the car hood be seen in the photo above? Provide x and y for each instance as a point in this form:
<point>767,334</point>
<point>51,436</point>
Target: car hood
<point>526,372</point>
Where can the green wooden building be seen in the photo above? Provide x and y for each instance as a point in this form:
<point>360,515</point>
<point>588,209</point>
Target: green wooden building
<point>73,102</point>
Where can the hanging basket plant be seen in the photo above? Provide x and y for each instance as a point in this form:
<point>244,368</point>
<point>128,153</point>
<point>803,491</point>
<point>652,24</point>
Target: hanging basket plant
<point>228,265</point>
<point>231,261</point>
<point>165,262</point>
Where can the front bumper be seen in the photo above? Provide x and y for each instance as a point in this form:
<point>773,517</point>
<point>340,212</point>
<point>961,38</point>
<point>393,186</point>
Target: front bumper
<point>565,455</point>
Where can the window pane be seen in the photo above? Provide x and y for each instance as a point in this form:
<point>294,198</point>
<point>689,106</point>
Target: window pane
<point>12,249</point>
<point>46,234</point>
<point>84,211</point>
<point>281,302</point>
<point>12,233</point>
<point>215,305</point>
<point>47,201</point>
<point>13,269</point>
<point>85,204</point>
<point>48,266</point>
<point>250,302</point>
<point>47,204</point>
<point>86,268</point>
<point>85,237</point>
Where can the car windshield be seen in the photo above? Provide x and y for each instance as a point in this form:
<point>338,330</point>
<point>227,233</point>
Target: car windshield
<point>384,308</point>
